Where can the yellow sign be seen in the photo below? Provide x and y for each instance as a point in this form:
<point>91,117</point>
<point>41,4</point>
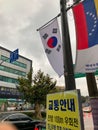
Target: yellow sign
<point>63,111</point>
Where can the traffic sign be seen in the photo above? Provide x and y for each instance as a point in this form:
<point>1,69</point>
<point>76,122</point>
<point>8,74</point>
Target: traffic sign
<point>14,55</point>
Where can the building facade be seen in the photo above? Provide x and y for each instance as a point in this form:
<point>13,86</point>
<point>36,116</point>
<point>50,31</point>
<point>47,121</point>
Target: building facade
<point>9,73</point>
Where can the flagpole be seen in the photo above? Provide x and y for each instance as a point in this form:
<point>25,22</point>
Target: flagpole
<point>67,54</point>
<point>92,86</point>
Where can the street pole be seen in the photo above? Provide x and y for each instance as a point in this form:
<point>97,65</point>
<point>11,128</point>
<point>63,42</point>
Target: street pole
<point>68,67</point>
<point>92,86</point>
<point>67,54</point>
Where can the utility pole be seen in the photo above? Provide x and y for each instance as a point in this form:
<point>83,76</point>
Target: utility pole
<point>68,63</point>
<point>67,55</point>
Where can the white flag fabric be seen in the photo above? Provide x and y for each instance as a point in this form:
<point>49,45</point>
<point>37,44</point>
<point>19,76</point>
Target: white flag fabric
<point>87,60</point>
<point>50,36</point>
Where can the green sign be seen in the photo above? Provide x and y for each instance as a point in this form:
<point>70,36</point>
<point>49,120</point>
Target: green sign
<point>80,75</point>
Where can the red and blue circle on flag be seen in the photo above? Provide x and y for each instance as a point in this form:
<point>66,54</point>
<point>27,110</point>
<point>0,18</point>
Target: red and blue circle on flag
<point>52,42</point>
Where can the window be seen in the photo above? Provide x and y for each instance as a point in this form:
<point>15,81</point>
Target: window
<point>17,63</point>
<point>7,79</point>
<point>12,118</point>
<point>24,118</point>
<point>14,71</point>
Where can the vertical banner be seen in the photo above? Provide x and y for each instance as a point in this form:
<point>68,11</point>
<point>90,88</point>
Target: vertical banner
<point>86,23</point>
<point>64,111</point>
<point>51,40</point>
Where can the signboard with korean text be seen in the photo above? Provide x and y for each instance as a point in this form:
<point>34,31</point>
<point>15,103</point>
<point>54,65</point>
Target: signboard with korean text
<point>64,111</point>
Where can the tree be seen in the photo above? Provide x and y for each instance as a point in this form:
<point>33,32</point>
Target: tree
<point>25,87</point>
<point>35,90</point>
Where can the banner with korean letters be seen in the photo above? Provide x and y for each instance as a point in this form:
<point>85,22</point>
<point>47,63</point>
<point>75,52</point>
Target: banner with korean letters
<point>64,111</point>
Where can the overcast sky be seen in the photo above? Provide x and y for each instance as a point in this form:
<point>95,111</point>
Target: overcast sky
<point>19,20</point>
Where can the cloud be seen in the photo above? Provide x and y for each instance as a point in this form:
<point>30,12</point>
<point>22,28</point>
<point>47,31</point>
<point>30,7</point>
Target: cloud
<point>19,20</point>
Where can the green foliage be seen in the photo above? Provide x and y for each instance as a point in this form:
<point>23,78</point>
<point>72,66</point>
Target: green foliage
<point>36,89</point>
<point>25,86</point>
<point>43,85</point>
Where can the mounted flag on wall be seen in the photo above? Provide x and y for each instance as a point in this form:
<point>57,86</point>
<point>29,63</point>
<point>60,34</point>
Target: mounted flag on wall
<point>86,23</point>
<point>50,36</point>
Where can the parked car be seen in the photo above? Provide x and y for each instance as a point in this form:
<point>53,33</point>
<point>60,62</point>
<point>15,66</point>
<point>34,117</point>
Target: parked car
<point>20,120</point>
<point>40,126</point>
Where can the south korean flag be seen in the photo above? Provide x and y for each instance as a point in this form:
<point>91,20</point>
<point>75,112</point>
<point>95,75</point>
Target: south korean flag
<point>51,40</point>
